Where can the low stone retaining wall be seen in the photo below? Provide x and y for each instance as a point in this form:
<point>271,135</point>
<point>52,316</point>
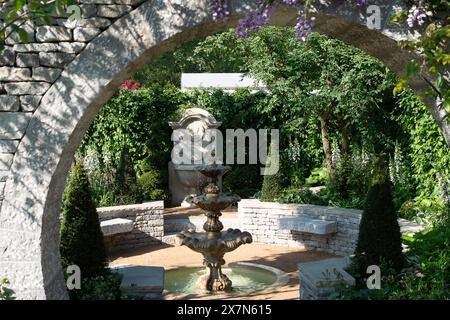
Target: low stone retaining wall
<point>148,225</point>
<point>261,219</point>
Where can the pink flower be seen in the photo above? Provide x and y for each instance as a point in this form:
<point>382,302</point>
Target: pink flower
<point>129,85</point>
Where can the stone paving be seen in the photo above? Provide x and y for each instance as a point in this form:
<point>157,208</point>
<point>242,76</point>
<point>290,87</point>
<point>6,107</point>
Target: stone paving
<point>283,258</point>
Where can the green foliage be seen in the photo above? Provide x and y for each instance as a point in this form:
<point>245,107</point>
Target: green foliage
<point>136,119</point>
<point>126,188</point>
<point>429,252</point>
<point>426,276</point>
<point>243,180</point>
<point>149,181</point>
<point>421,142</point>
<point>81,240</point>
<point>151,184</point>
<point>168,67</point>
<point>320,75</point>
<point>271,187</point>
<point>318,177</point>
<point>420,182</point>
<point>105,286</point>
<point>352,179</point>
<point>302,195</point>
<point>424,210</point>
<point>433,43</point>
<point>379,238</point>
<point>5,292</point>
<point>215,53</point>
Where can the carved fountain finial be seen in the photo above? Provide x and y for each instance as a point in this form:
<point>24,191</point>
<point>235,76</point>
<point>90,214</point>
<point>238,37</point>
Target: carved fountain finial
<point>214,243</point>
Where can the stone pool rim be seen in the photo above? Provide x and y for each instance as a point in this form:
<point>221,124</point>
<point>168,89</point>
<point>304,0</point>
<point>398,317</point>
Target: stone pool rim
<point>282,279</point>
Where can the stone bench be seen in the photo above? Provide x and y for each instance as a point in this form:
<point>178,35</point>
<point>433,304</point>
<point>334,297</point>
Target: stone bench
<point>318,279</point>
<point>308,225</point>
<point>116,226</point>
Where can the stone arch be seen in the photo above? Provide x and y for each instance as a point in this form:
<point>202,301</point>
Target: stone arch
<point>37,148</point>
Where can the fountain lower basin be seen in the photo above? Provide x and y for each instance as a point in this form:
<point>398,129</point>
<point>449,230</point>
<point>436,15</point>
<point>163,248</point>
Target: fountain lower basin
<point>213,244</point>
<point>247,278</point>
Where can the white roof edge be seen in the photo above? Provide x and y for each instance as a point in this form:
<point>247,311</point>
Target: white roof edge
<point>226,81</point>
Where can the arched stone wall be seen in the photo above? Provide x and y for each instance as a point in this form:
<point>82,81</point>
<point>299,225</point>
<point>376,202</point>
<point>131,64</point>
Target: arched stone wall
<point>52,88</point>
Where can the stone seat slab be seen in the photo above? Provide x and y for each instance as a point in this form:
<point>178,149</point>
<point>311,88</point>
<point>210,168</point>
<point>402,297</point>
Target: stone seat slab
<point>325,272</point>
<point>141,282</point>
<point>116,226</point>
<point>308,225</point>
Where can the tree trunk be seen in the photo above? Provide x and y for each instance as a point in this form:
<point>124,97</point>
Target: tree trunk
<point>326,143</point>
<point>345,134</point>
<point>440,116</point>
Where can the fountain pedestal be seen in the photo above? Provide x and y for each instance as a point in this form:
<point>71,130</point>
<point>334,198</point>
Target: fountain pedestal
<point>214,243</point>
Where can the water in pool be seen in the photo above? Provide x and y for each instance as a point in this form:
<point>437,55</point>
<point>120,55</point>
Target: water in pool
<point>244,278</point>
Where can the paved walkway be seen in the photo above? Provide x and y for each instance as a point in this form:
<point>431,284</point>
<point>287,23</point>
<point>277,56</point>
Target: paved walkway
<point>283,258</point>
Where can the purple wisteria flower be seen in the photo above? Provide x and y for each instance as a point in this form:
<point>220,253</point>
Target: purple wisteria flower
<point>362,3</point>
<point>416,15</point>
<point>289,2</point>
<point>218,9</point>
<point>303,26</point>
<point>253,21</point>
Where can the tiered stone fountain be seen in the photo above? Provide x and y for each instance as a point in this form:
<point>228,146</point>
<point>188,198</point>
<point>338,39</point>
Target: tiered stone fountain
<point>214,243</point>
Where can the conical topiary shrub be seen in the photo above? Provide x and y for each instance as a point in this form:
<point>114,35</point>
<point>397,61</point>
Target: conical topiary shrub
<point>273,184</point>
<point>81,237</point>
<point>271,187</point>
<point>126,187</point>
<point>379,240</point>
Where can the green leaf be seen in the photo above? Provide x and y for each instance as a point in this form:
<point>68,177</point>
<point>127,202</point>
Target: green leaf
<point>23,35</point>
<point>59,8</point>
<point>18,4</point>
<point>433,69</point>
<point>401,84</point>
<point>446,105</point>
<point>396,17</point>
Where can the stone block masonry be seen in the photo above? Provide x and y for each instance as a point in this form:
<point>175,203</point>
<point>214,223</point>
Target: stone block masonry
<point>28,70</point>
<point>272,223</point>
<point>262,220</point>
<point>148,225</point>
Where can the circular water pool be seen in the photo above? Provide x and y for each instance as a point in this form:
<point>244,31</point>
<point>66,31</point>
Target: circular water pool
<point>246,278</point>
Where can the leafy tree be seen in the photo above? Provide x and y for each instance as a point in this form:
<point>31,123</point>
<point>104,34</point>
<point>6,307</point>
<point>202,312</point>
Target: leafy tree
<point>81,237</point>
<point>321,79</point>
<point>428,17</point>
<point>379,239</point>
